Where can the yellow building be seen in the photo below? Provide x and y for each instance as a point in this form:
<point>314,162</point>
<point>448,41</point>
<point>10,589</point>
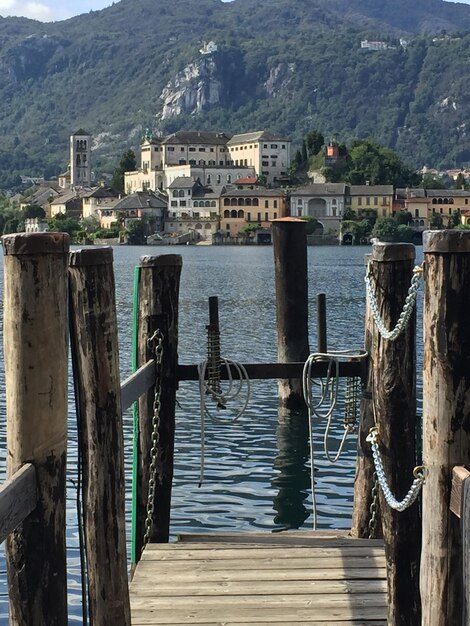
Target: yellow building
<point>361,198</point>
<point>241,207</point>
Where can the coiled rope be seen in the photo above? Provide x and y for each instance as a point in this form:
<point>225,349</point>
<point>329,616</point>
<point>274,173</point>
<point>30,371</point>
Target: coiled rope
<point>237,387</point>
<point>324,405</point>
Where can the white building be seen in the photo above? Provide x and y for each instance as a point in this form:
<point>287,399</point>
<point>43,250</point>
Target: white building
<point>324,202</point>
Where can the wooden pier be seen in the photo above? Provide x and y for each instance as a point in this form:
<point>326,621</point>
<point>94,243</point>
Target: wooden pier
<point>319,578</point>
<point>416,574</point>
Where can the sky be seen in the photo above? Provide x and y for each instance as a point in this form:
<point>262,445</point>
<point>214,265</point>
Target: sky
<point>54,10</point>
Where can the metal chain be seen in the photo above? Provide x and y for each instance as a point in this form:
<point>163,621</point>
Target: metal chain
<point>408,307</point>
<point>351,405</point>
<point>374,508</point>
<point>155,344</point>
<point>413,492</point>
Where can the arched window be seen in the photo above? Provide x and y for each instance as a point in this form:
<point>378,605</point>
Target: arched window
<point>446,201</point>
<point>451,200</point>
<point>255,202</point>
<point>213,203</point>
<point>208,179</point>
<point>195,203</point>
<point>233,213</point>
<point>207,203</point>
<point>226,201</point>
<point>241,201</point>
<point>175,193</point>
<point>241,213</point>
<point>248,202</point>
<point>439,201</point>
<point>421,222</point>
<point>202,162</point>
<point>226,213</point>
<point>207,226</point>
<point>181,193</point>
<point>198,226</point>
<point>233,202</point>
<point>229,178</point>
<point>434,201</point>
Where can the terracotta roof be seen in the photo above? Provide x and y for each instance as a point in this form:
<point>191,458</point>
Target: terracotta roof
<point>248,180</point>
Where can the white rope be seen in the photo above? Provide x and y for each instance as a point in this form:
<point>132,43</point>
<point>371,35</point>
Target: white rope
<point>236,386</point>
<point>328,394</point>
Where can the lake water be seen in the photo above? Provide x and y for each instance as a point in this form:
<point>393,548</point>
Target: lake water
<point>257,470</point>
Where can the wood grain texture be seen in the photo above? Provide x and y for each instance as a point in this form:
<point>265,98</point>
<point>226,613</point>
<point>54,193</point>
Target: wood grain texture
<point>18,498</point>
<point>446,422</point>
<point>235,583</point>
<point>35,336</point>
<point>364,477</point>
<point>393,371</point>
<point>465,524</point>
<point>95,354</point>
<point>158,293</point>
<point>459,476</point>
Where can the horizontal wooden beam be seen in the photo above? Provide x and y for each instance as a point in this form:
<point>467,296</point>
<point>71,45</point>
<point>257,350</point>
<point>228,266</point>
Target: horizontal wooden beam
<point>459,476</point>
<point>264,371</point>
<point>18,497</point>
<point>137,384</point>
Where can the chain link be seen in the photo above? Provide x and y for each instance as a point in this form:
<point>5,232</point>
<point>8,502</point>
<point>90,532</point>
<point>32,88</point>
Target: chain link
<point>155,344</point>
<point>374,508</point>
<point>408,307</point>
<point>351,405</point>
<point>413,492</point>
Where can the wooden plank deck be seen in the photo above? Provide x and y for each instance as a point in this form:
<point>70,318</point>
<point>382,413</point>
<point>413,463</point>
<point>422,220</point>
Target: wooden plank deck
<point>299,578</point>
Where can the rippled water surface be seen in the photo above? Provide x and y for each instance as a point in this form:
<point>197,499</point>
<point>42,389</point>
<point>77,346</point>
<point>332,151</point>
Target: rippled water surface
<point>256,470</point>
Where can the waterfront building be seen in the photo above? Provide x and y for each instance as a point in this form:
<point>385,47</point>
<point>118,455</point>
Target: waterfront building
<point>362,198</point>
<point>323,201</point>
<point>142,205</point>
<point>241,207</point>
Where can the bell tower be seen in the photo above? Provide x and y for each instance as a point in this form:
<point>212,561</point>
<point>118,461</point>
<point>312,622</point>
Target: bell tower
<point>80,159</point>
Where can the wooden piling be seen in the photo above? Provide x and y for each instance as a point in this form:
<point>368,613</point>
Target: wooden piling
<point>95,356</point>
<point>158,291</point>
<point>392,366</point>
<point>446,418</point>
<point>364,479</point>
<point>322,337</point>
<point>35,338</point>
<point>290,265</point>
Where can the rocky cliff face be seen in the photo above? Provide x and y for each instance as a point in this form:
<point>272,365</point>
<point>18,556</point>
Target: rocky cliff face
<point>279,78</point>
<point>197,88</point>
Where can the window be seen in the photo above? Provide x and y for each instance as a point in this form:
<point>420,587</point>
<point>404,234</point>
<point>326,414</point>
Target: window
<point>368,201</point>
<point>192,161</point>
<point>202,149</point>
<point>259,217</point>
<point>226,213</point>
<point>192,149</point>
<point>384,200</point>
<point>182,161</point>
<point>175,193</point>
<point>416,212</point>
<point>299,201</point>
<point>359,202</point>
<point>189,192</point>
<point>266,217</point>
<point>283,146</point>
<point>273,156</point>
<point>265,145</point>
<point>170,149</point>
<point>218,178</point>
<point>265,163</point>
<point>226,201</point>
<point>229,178</point>
<point>182,202</point>
<point>248,217</point>
<point>211,149</point>
<point>228,227</point>
<point>255,202</point>
<point>275,216</point>
<point>266,204</point>
<point>275,204</point>
<point>208,179</point>
<point>376,201</point>
<point>274,146</point>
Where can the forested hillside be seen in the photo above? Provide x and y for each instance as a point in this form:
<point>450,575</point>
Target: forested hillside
<point>286,65</point>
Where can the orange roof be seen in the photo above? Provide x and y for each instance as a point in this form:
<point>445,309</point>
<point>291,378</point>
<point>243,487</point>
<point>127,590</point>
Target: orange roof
<point>248,180</point>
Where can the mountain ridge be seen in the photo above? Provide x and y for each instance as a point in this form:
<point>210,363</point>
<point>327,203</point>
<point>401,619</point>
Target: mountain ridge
<point>108,70</point>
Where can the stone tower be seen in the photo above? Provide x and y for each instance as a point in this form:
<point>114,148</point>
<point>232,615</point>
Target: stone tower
<point>80,159</point>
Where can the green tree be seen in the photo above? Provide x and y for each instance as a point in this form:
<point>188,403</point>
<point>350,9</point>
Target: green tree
<point>459,182</point>
<point>136,232</point>
<point>436,222</point>
<point>128,163</point>
<point>403,217</point>
<point>32,211</point>
<point>454,219</point>
<point>61,223</point>
<point>404,233</point>
<point>314,142</point>
<point>385,229</point>
<point>429,181</point>
<point>369,161</point>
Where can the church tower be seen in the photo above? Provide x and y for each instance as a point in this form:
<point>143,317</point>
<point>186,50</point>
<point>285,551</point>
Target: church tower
<point>80,159</point>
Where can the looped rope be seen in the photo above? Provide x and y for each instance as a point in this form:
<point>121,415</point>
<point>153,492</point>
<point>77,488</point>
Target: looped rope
<point>236,387</point>
<point>329,395</point>
<point>419,473</point>
<point>408,307</point>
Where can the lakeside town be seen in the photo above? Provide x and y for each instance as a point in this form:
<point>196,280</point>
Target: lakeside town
<point>215,188</point>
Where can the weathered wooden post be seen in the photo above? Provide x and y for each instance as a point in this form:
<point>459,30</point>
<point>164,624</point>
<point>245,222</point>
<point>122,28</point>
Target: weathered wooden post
<point>158,291</point>
<point>95,356</point>
<point>290,265</point>
<point>35,338</point>
<point>446,418</point>
<point>362,525</point>
<point>392,367</point>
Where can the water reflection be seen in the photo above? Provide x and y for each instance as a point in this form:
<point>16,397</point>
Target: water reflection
<point>292,481</point>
